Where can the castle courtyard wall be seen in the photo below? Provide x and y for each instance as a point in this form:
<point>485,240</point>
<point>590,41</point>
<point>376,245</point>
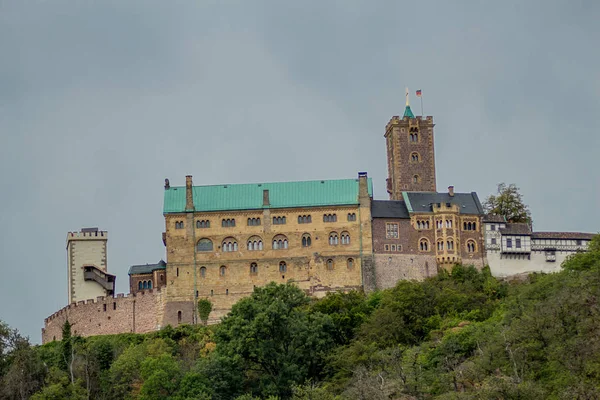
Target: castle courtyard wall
<point>136,313</point>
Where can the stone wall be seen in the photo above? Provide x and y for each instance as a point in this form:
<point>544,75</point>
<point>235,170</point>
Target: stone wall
<point>391,268</point>
<point>138,313</point>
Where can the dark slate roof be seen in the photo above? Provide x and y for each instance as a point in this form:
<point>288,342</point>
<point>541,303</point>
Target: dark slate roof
<point>493,218</point>
<point>563,235</point>
<point>516,229</point>
<point>389,209</point>
<point>422,201</point>
<point>147,268</point>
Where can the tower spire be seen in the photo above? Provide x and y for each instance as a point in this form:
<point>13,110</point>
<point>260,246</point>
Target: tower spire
<point>407,111</point>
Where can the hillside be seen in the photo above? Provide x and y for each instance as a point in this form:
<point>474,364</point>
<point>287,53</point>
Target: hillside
<point>463,335</point>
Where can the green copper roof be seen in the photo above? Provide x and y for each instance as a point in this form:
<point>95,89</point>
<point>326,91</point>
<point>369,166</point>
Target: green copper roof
<point>281,195</point>
<point>408,112</point>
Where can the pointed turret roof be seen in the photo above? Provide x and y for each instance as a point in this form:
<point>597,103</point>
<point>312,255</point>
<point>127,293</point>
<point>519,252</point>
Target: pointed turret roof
<point>407,111</point>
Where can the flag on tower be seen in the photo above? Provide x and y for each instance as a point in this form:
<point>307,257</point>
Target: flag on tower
<point>419,93</point>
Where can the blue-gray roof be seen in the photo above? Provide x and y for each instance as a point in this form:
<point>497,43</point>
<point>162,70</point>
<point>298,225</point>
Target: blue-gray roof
<point>147,268</point>
<point>389,209</point>
<point>419,202</point>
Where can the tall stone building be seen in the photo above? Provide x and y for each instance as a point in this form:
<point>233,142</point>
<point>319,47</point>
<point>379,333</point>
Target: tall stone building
<point>224,240</point>
<point>410,154</point>
<point>86,265</point>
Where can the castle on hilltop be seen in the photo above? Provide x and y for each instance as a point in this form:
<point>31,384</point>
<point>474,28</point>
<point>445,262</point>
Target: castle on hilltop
<point>222,241</point>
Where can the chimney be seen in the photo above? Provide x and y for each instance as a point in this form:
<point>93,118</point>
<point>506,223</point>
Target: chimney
<point>189,196</point>
<point>451,191</point>
<point>167,184</point>
<point>266,201</point>
<point>363,188</point>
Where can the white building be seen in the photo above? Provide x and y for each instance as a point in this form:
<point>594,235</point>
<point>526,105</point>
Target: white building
<point>512,248</point>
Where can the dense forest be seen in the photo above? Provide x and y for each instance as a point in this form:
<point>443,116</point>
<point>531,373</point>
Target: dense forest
<point>460,335</point>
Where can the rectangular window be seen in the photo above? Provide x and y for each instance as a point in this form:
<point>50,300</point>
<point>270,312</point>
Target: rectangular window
<point>578,242</point>
<point>493,227</point>
<point>391,231</point>
<point>518,243</point>
<point>493,240</point>
<point>509,243</point>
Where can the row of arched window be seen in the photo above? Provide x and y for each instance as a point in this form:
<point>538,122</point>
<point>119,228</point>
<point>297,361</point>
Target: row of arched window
<point>469,226</point>
<point>449,245</point>
<point>230,222</point>
<point>227,223</point>
<point>144,285</point>
<point>282,267</point>
<point>439,224</point>
<point>253,221</point>
<point>413,137</point>
<point>304,219</point>
<point>329,217</point>
<point>280,242</point>
<point>422,224</point>
<point>278,220</point>
<point>424,245</point>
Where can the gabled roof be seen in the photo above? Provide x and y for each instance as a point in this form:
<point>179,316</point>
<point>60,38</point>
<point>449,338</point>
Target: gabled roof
<point>419,202</point>
<point>281,195</point>
<point>517,228</point>
<point>563,235</point>
<point>147,268</point>
<point>389,209</point>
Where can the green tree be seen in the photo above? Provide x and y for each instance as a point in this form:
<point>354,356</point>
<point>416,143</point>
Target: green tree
<point>275,338</point>
<point>204,309</point>
<point>508,202</point>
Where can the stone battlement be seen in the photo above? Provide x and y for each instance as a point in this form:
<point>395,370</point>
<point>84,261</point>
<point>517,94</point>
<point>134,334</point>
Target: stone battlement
<point>139,312</point>
<point>87,235</point>
<point>397,120</point>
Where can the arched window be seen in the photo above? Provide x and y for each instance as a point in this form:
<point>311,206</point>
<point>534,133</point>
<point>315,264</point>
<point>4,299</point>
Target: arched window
<point>424,245</point>
<point>204,244</point>
<point>280,242</point>
<point>178,316</point>
<point>203,272</point>
<point>149,284</point>
<point>279,221</point>
<point>448,223</point>
<point>414,157</point>
<point>306,241</point>
<point>140,285</point>
<point>253,268</point>
<point>350,263</point>
<point>228,223</point>
<point>474,226</point>
<point>351,216</point>
<point>255,243</point>
<point>333,239</point>
<point>222,270</point>
<point>178,224</point>
<point>330,264</point>
<point>203,224</point>
<point>416,179</point>
<point>450,244</point>
<point>329,217</point>
<point>440,245</point>
<point>471,247</point>
<point>145,285</point>
<point>345,238</point>
<point>229,244</point>
<point>282,267</point>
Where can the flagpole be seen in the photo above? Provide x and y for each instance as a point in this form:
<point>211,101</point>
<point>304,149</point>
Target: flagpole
<point>422,105</point>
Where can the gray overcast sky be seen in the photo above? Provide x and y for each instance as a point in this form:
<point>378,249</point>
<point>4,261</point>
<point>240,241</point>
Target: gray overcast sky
<point>102,100</point>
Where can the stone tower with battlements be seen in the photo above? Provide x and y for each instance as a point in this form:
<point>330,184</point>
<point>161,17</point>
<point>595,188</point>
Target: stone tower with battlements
<point>410,154</point>
<point>86,265</point>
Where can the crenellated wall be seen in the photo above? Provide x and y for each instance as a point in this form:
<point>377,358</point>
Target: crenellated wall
<point>137,313</point>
